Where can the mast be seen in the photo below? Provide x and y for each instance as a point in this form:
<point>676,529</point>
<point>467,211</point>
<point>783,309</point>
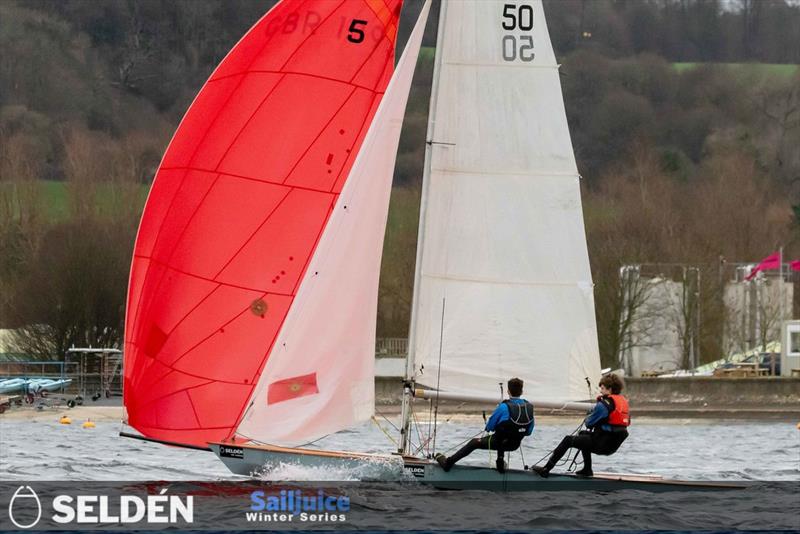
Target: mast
<point>405,442</point>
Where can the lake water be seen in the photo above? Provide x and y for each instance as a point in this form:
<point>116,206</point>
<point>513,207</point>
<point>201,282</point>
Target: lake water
<point>687,449</point>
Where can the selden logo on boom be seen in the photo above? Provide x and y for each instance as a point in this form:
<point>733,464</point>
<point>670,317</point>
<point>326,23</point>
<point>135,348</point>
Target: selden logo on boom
<point>297,506</point>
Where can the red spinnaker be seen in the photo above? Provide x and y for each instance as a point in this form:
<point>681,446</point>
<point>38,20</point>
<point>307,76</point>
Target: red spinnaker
<point>238,204</point>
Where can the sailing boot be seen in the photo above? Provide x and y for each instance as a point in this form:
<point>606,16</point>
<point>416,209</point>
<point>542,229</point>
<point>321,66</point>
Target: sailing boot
<point>441,459</point>
<point>501,465</point>
<point>541,470</point>
<point>586,471</point>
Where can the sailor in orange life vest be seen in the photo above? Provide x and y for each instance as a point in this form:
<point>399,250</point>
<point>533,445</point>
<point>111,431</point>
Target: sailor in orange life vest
<point>608,427</point>
<point>511,421</point>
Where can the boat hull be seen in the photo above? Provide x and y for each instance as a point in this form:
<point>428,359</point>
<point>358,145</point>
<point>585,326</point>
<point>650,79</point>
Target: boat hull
<point>254,460</point>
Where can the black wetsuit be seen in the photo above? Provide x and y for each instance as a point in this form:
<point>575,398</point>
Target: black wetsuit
<point>602,438</point>
<point>511,421</point>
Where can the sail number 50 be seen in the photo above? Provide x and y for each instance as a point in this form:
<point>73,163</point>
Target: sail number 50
<point>516,18</point>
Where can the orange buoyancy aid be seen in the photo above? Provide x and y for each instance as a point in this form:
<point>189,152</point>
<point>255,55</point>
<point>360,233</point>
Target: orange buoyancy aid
<point>618,410</point>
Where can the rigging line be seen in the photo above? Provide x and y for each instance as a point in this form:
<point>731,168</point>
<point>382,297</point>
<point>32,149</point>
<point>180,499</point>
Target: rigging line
<point>387,420</point>
<point>384,431</point>
<point>417,428</point>
<point>430,420</point>
<point>553,449</point>
<point>463,442</point>
<point>438,376</point>
<point>422,443</point>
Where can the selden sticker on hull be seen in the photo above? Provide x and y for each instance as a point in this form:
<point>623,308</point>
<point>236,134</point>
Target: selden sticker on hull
<point>231,452</point>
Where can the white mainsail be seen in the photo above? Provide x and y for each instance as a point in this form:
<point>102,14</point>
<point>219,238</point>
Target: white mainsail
<point>329,333</point>
<point>501,244</point>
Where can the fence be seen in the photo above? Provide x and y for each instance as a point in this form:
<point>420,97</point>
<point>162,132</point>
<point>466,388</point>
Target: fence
<point>391,347</point>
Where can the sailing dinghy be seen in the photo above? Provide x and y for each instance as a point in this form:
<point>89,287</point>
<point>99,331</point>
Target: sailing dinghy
<point>252,300</point>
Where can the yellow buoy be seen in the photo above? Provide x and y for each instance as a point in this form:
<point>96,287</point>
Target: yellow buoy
<point>88,424</point>
<point>65,420</point>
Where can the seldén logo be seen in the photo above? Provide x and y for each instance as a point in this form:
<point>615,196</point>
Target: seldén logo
<point>291,505</point>
<point>25,509</point>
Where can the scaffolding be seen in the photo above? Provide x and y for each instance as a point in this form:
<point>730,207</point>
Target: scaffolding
<point>98,371</point>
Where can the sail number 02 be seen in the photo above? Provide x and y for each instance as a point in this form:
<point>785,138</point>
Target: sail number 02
<point>517,46</point>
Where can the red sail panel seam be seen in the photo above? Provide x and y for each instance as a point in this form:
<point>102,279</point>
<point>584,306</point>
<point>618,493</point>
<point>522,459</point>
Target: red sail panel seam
<point>214,182</point>
<point>307,75</point>
<point>165,375</point>
<point>265,357</point>
<point>148,273</point>
<point>213,332</point>
<point>367,119</point>
<point>253,234</point>
<point>183,390</point>
<point>210,380</point>
<point>310,35</point>
<point>198,277</point>
<point>248,178</point>
<point>188,313</point>
<point>369,57</point>
<point>319,134</point>
<point>255,57</point>
<point>212,186</point>
<point>194,410</point>
<point>316,242</point>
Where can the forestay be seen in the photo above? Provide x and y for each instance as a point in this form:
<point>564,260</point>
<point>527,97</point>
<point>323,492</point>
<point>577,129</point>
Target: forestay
<point>502,242</point>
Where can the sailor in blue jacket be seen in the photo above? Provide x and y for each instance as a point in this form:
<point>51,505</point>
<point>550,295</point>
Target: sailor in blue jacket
<point>510,422</point>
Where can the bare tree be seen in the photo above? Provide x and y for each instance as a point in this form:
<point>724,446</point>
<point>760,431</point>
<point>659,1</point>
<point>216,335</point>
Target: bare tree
<point>779,104</point>
<point>637,319</point>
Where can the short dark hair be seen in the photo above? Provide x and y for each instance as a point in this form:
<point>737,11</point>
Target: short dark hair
<point>515,387</point>
<point>612,382</point>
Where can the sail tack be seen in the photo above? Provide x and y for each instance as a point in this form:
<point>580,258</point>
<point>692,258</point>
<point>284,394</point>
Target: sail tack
<point>502,241</point>
<point>240,202</point>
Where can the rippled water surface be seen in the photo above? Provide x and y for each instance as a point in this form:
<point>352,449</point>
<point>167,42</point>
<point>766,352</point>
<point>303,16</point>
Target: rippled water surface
<point>689,449</point>
<point>42,449</point>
